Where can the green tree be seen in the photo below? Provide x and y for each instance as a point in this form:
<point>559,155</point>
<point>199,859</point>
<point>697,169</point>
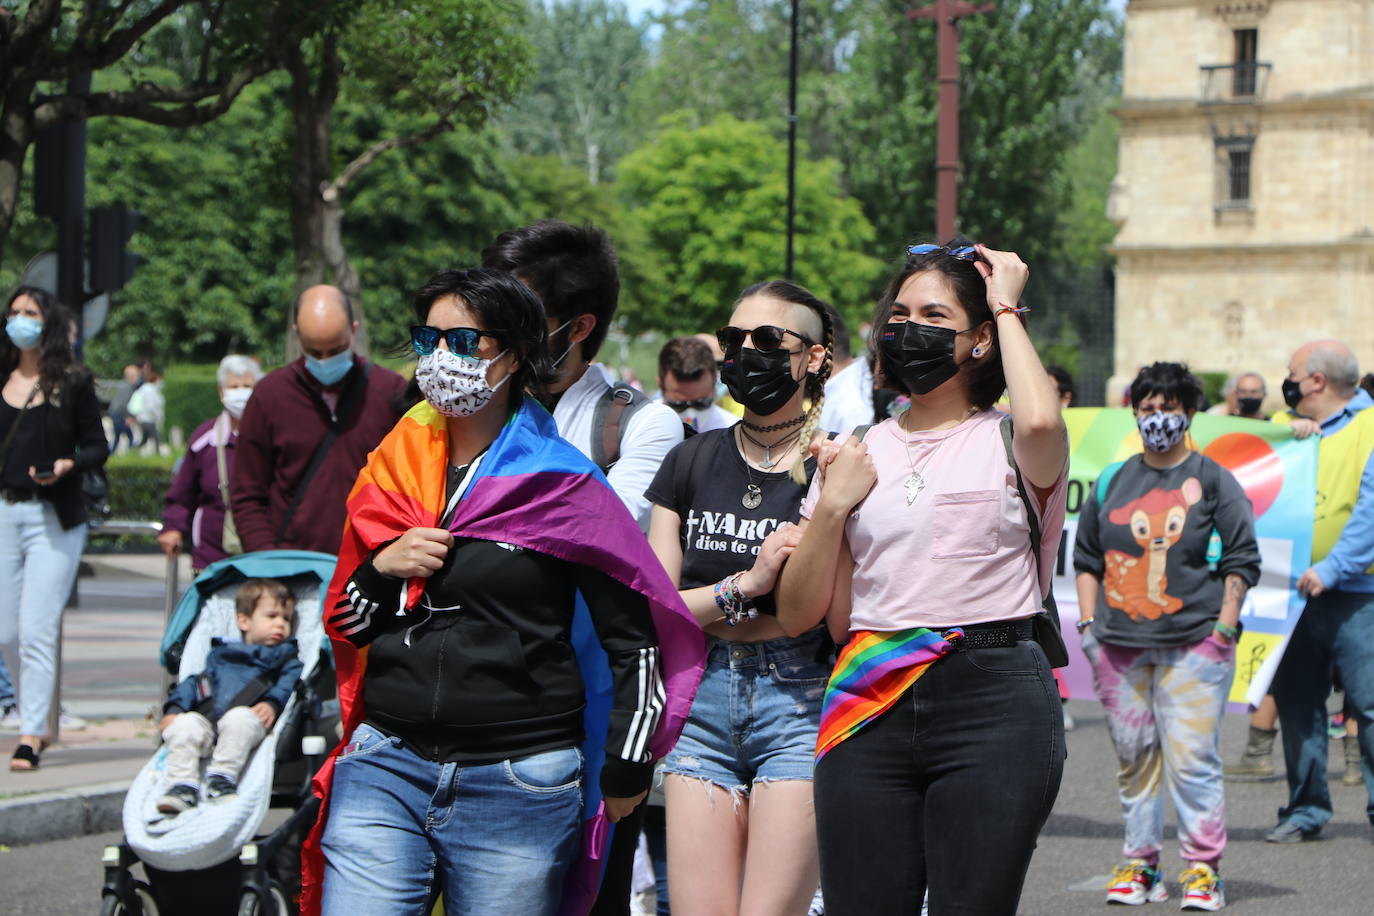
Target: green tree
<point>1032,77</point>
<point>711,203</point>
<point>429,67</point>
<point>45,43</point>
<point>587,56</point>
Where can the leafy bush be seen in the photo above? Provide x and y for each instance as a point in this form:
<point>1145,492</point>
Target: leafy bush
<point>192,395</point>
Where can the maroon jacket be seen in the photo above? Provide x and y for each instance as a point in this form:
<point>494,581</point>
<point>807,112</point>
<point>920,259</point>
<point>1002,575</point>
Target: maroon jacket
<point>286,419</point>
<point>194,506</point>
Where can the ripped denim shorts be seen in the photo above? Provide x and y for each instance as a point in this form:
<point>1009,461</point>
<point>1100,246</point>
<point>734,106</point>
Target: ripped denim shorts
<point>756,712</point>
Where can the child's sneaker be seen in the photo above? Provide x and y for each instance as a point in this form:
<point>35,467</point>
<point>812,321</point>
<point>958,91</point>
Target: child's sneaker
<point>217,786</point>
<point>1136,882</point>
<point>1201,888</point>
<point>179,798</point>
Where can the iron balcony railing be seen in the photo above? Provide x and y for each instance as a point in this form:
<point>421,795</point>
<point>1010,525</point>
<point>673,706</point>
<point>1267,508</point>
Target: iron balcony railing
<point>1239,82</point>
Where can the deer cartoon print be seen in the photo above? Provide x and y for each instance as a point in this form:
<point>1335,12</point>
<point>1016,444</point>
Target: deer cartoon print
<point>1136,584</point>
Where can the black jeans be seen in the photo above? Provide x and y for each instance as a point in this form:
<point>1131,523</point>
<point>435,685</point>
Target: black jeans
<point>947,790</point>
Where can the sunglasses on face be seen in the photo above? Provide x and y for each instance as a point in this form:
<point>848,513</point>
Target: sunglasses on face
<point>963,253</point>
<point>765,337</point>
<point>698,404</point>
<point>461,341</point>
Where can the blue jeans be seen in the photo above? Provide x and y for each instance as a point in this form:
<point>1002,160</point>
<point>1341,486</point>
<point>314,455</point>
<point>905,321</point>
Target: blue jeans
<point>494,839</point>
<point>6,685</point>
<point>756,713</point>
<point>1336,630</point>
<point>38,561</point>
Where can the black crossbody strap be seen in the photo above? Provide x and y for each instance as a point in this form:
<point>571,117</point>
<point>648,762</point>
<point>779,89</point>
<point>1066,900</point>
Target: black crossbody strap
<point>14,428</point>
<point>353,394</point>
<point>1046,625</point>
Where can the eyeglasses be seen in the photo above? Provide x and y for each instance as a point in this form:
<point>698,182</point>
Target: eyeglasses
<point>963,253</point>
<point>698,404</point>
<point>461,341</point>
<point>765,337</point>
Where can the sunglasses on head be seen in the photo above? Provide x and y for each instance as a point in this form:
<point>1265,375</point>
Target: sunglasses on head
<point>461,341</point>
<point>963,252</point>
<point>765,337</point>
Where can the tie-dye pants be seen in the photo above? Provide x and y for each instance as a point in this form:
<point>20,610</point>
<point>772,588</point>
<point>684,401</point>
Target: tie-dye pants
<point>1164,709</point>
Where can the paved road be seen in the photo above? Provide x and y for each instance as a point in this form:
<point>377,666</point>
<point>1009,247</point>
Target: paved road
<point>1334,877</point>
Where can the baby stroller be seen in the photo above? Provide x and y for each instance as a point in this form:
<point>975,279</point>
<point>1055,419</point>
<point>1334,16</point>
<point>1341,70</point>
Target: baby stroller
<point>211,859</point>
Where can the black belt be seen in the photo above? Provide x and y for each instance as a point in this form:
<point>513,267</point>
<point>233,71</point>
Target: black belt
<point>17,496</point>
<point>1001,634</point>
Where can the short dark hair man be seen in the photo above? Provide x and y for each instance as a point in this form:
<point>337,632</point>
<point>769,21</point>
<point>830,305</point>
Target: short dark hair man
<point>573,270</point>
<point>307,430</point>
<point>687,383</point>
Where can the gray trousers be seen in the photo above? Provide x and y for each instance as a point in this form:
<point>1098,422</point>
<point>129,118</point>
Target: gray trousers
<point>191,737</point>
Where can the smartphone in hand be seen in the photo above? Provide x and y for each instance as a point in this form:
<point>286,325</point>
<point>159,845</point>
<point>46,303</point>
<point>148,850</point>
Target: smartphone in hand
<point>44,473</point>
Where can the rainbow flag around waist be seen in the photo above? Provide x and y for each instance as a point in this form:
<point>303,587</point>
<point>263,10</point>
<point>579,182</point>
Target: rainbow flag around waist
<point>874,669</point>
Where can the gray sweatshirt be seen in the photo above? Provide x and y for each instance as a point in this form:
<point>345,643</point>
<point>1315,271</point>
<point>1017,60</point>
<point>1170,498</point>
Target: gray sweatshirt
<point>1147,542</point>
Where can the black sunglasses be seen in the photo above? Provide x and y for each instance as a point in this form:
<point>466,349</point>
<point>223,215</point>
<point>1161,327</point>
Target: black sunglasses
<point>461,341</point>
<point>765,337</point>
<point>698,404</point>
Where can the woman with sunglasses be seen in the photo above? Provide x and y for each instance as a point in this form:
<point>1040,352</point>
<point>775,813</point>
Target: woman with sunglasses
<point>941,742</point>
<point>474,535</point>
<point>741,833</point>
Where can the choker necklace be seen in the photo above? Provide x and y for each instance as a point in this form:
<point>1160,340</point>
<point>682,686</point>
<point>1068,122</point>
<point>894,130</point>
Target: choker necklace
<point>775,426</point>
<point>769,462</point>
<point>916,482</point>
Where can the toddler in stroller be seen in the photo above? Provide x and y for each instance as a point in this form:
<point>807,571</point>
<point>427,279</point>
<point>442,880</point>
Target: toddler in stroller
<point>230,706</point>
<point>228,855</point>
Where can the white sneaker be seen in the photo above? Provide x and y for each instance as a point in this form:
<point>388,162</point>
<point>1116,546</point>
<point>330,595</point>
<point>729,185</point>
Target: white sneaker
<point>9,721</point>
<point>1202,889</point>
<point>1136,882</point>
<point>70,723</point>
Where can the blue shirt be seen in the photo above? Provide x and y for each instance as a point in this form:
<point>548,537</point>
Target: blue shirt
<point>1344,567</point>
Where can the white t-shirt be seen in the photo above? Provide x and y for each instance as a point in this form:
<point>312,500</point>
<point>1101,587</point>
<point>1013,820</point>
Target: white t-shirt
<point>650,432</point>
<point>848,398</point>
<point>959,552</point>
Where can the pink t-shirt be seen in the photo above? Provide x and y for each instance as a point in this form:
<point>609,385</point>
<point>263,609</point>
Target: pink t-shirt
<point>959,552</point>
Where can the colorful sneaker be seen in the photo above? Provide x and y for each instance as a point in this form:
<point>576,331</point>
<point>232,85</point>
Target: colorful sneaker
<point>179,798</point>
<point>1136,882</point>
<point>1201,888</point>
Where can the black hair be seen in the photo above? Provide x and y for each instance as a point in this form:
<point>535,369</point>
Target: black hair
<point>507,309</point>
<point>55,357</point>
<point>843,350</point>
<point>791,293</point>
<point>573,270</point>
<point>983,378</point>
<point>689,358</point>
<point>1064,380</point>
<point>1171,381</point>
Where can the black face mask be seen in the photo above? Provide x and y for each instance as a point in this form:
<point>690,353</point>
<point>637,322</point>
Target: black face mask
<point>920,355</point>
<point>1292,393</point>
<point>1248,406</point>
<point>761,380</point>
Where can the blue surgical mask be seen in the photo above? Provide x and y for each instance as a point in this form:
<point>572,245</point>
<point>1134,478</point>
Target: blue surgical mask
<point>24,331</point>
<point>332,369</point>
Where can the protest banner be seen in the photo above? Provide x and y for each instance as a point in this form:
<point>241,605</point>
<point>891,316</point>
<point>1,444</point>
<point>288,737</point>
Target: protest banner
<point>1277,472</point>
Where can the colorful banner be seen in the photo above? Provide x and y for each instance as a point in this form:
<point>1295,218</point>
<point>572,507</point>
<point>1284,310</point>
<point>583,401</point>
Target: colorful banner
<point>1278,473</point>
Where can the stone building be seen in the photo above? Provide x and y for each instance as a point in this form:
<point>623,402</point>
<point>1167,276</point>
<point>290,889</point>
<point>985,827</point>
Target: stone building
<point>1244,198</point>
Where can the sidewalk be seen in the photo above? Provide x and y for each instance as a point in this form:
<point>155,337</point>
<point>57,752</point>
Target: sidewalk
<point>111,678</point>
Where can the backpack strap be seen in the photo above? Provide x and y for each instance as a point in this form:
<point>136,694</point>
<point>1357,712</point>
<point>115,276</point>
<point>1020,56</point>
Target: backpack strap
<point>609,419</point>
<point>1046,625</point>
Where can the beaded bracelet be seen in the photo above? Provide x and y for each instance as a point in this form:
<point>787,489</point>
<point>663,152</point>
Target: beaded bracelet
<point>1018,310</point>
<point>732,601</point>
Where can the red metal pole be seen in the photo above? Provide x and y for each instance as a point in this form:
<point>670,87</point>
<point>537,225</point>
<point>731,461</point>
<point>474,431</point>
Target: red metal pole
<point>946,14</point>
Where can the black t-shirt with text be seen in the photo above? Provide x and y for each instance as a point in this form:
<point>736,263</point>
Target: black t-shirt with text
<point>704,480</point>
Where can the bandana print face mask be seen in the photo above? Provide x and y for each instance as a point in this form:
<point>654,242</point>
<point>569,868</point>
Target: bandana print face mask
<point>1162,431</point>
<point>456,386</point>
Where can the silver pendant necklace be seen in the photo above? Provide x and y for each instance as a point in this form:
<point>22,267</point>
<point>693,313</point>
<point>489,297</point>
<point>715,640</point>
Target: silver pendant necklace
<point>753,493</point>
<point>916,483</point>
<point>769,462</point>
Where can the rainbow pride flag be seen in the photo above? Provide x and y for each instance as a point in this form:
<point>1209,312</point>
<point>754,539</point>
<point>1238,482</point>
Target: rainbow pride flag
<point>534,490</point>
<point>873,671</point>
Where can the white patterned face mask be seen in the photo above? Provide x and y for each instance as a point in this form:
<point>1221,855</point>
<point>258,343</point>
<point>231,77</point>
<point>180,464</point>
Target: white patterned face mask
<point>456,386</point>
